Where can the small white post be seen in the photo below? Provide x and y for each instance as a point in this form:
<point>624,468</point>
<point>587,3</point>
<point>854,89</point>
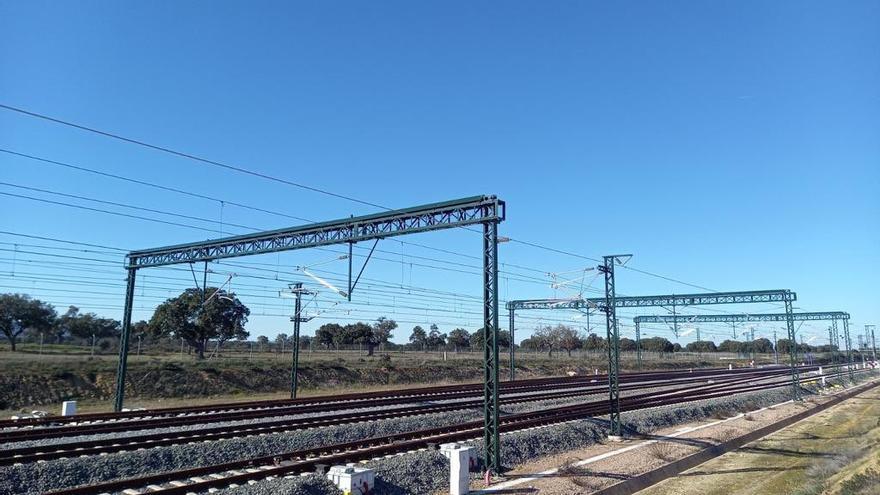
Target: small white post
<point>460,458</point>
<point>68,408</point>
<point>730,367</point>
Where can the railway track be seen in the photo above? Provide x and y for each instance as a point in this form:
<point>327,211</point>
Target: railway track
<point>202,479</point>
<point>171,417</point>
<point>574,389</point>
<point>18,455</point>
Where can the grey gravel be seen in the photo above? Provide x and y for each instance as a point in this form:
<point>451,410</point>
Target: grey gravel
<point>412,473</point>
<point>311,484</point>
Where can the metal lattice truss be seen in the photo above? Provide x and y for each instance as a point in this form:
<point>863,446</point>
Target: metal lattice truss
<point>676,300</point>
<point>744,317</point>
<point>457,213</point>
<point>740,297</point>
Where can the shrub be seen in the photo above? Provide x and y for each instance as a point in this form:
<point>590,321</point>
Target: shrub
<point>663,451</point>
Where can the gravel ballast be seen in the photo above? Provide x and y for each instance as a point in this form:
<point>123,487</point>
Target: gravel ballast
<point>420,472</point>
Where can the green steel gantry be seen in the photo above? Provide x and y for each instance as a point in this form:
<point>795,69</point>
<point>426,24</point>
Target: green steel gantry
<point>610,301</point>
<point>834,316</point>
<point>487,211</point>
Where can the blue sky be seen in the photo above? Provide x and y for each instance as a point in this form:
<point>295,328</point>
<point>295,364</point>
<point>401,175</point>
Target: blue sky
<point>731,145</point>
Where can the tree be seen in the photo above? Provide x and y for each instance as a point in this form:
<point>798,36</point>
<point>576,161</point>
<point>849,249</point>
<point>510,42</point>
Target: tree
<point>627,345</point>
<point>594,343</point>
<point>356,333</point>
<point>381,332</point>
<point>478,337</point>
<point>435,338</point>
<point>262,340</point>
<point>282,340</point>
<point>329,334</point>
<point>544,339</point>
<point>198,319</point>
<point>701,346</point>
<point>762,345</point>
<point>657,344</point>
<point>566,338</point>
<point>418,337</point>
<point>86,326</point>
<point>783,345</point>
<point>459,339</point>
<point>18,312</point>
<point>732,346</point>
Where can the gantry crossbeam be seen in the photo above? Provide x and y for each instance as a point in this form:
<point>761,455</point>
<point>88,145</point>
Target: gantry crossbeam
<point>487,211</point>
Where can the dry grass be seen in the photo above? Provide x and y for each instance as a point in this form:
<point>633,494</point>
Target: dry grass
<point>724,435</point>
<point>663,451</point>
<point>579,476</point>
<point>749,417</point>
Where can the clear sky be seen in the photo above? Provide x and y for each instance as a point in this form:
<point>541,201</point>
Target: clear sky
<point>729,145</point>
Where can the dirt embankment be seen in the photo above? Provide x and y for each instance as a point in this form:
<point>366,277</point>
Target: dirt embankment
<point>26,384</point>
<point>29,387</point>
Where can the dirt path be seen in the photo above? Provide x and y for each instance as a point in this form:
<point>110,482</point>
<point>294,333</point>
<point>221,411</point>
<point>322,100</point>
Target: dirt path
<point>827,453</point>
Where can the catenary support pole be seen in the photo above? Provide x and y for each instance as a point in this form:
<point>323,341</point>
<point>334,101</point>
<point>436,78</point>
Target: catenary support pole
<point>297,318</point>
<point>792,344</point>
<point>869,332</point>
<point>294,369</point>
<point>490,346</point>
<point>849,355</point>
<point>613,339</point>
<point>512,346</point>
<point>638,347</point>
<point>831,344</point>
<point>775,348</point>
<point>123,340</point>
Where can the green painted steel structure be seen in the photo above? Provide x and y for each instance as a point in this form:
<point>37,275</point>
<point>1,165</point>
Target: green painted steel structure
<point>487,211</point>
<point>666,300</point>
<point>613,336</point>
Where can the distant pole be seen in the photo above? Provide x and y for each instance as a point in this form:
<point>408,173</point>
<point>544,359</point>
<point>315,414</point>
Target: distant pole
<point>869,329</point>
<point>638,346</point>
<point>831,344</point>
<point>752,342</point>
<point>297,318</point>
<point>41,343</point>
<point>848,342</point>
<point>512,353</point>
<point>775,348</point>
<point>93,344</point>
<point>139,344</point>
<point>181,347</point>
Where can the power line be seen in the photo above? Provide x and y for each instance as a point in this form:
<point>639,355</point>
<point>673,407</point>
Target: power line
<point>124,205</point>
<point>108,212</point>
<point>189,156</point>
<point>290,183</point>
<point>153,185</point>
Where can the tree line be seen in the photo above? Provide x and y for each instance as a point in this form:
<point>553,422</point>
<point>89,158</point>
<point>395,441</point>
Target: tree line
<point>208,318</point>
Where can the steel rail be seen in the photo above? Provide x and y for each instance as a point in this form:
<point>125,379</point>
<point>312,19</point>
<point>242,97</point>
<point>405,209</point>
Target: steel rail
<point>266,404</point>
<point>140,419</point>
<point>306,460</point>
<point>17,435</point>
<point>91,447</point>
